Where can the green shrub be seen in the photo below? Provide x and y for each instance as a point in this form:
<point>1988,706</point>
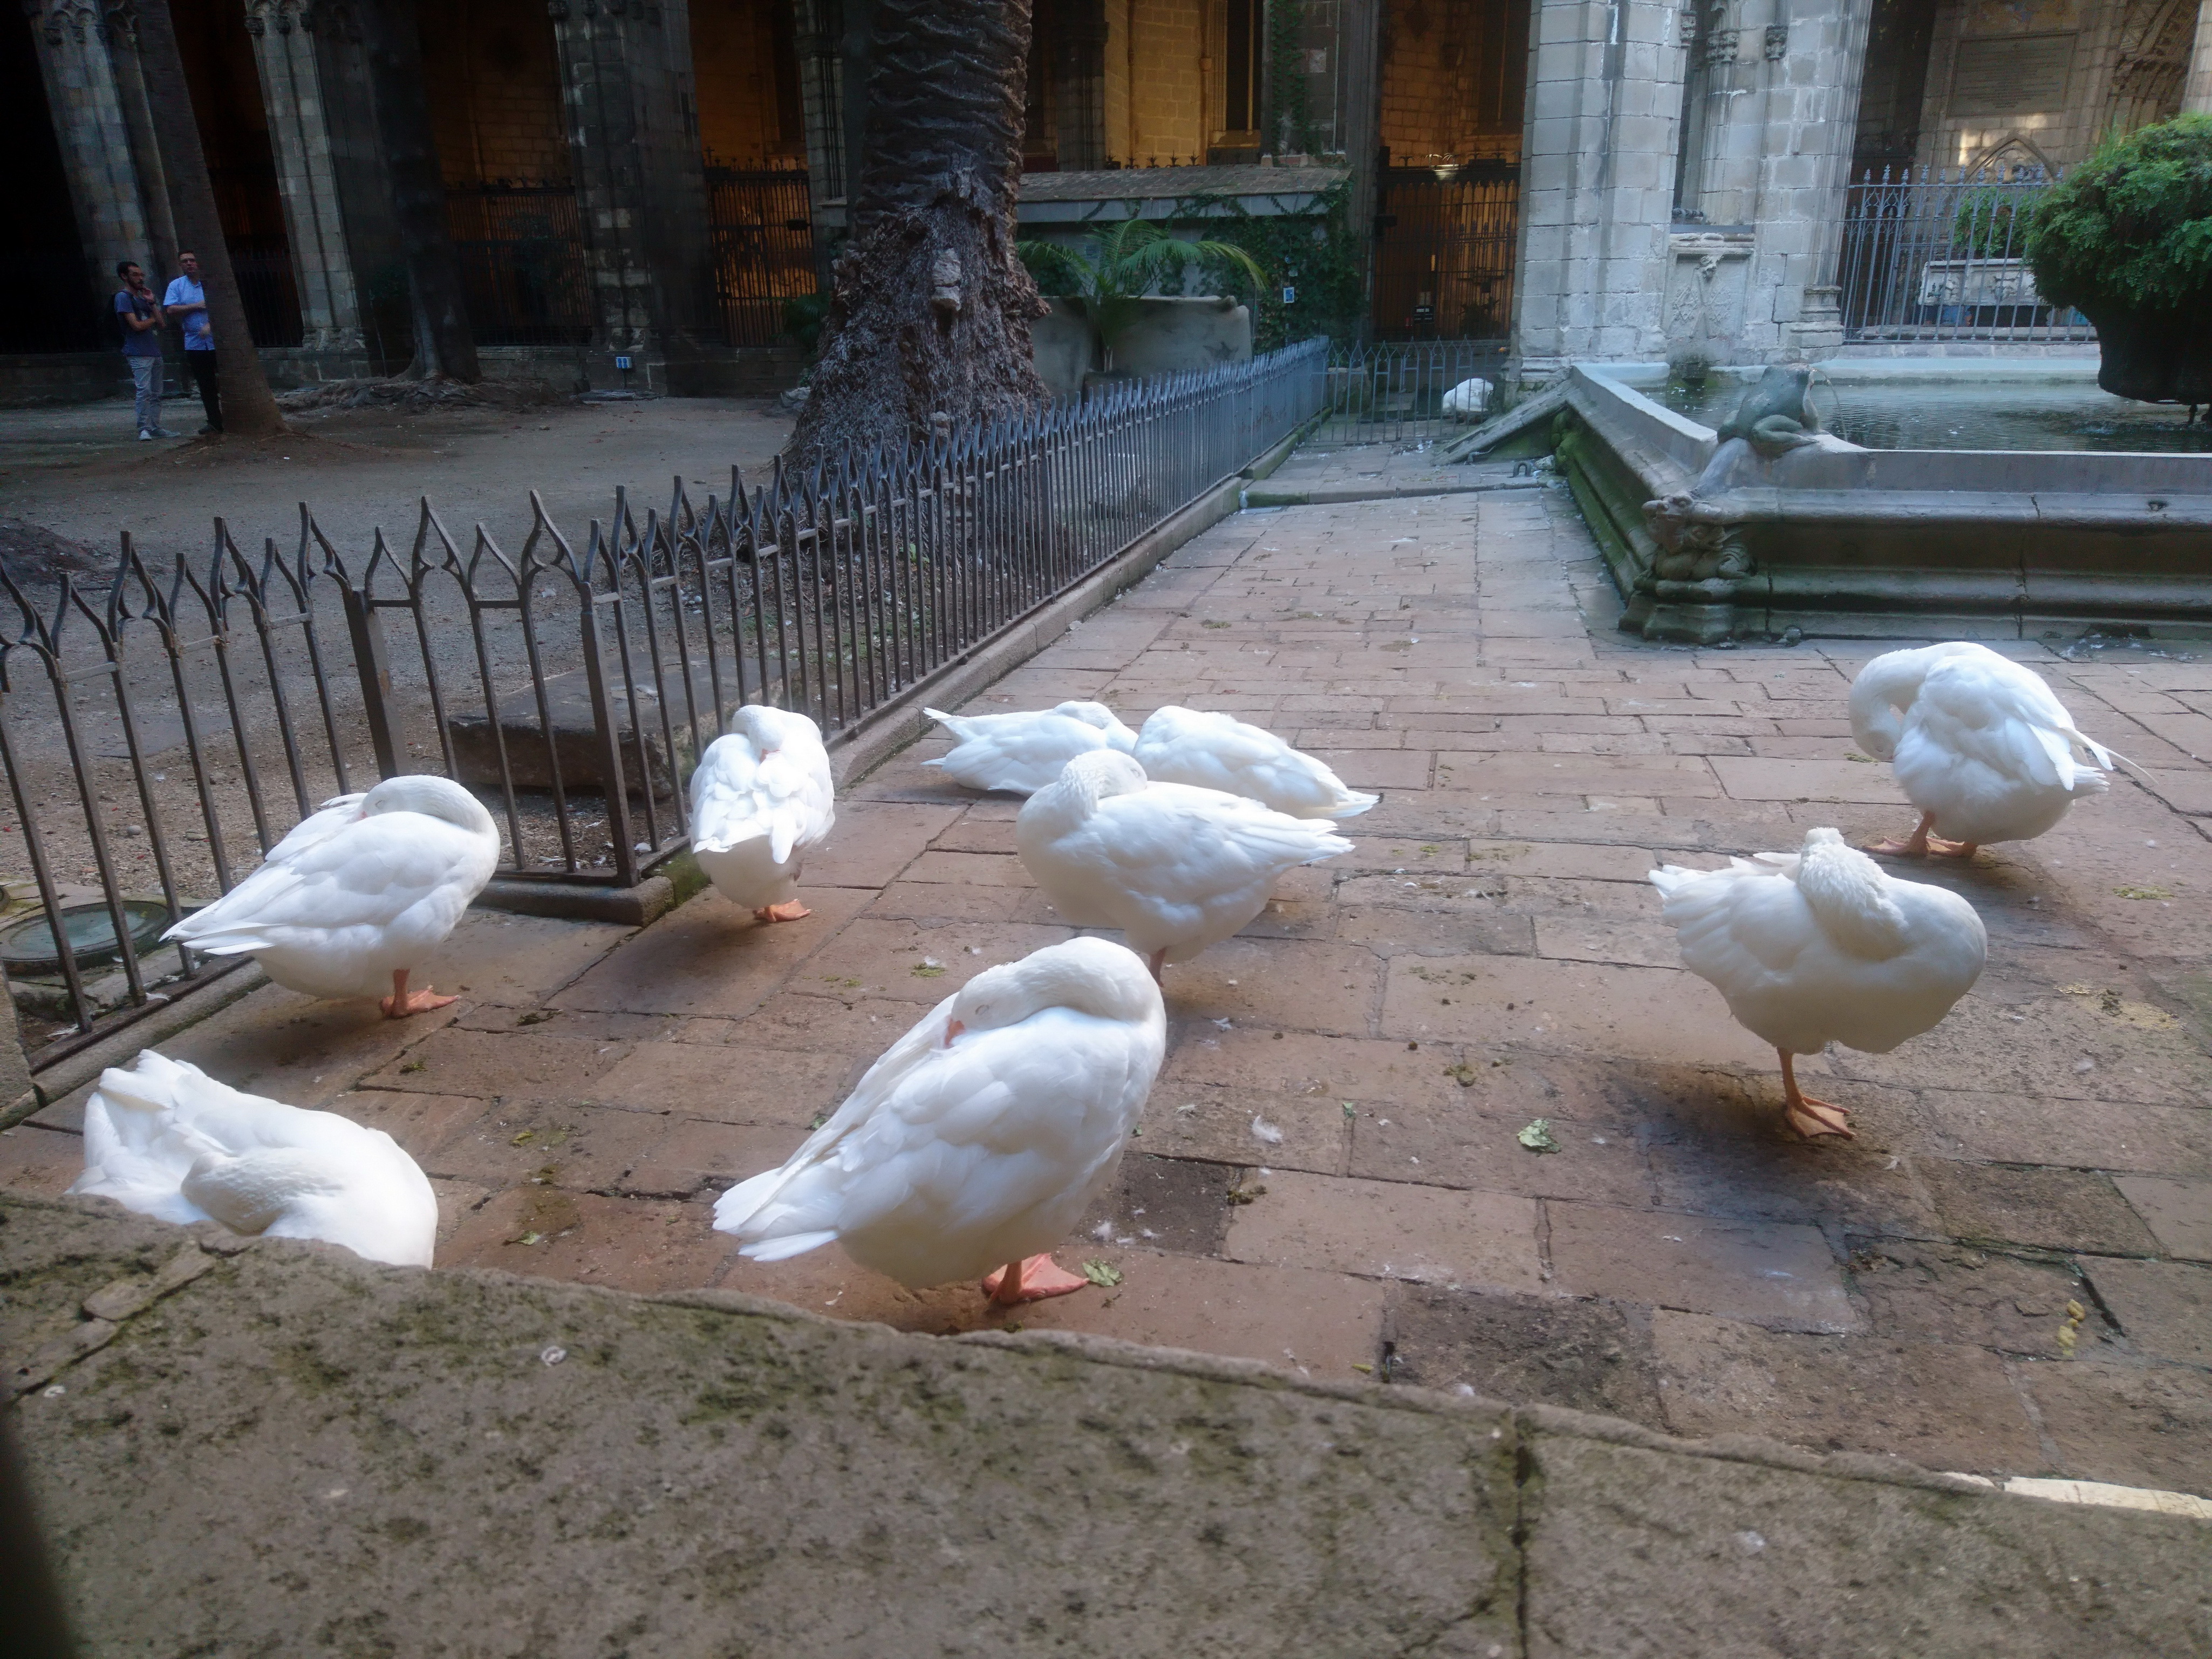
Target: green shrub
<point>1993,224</point>
<point>1134,258</point>
<point>2132,226</point>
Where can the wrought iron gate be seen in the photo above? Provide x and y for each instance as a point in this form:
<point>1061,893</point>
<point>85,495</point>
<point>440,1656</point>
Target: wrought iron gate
<point>1446,240</point>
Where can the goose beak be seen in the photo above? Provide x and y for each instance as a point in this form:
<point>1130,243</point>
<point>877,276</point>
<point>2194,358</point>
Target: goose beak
<point>953,1028</point>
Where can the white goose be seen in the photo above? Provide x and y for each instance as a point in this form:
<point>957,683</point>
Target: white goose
<point>1220,751</point>
<point>1175,868</point>
<point>167,1140</point>
<point>1978,743</point>
<point>1023,752</point>
<point>359,893</point>
<point>1822,946</point>
<point>981,1137</point>
<point>762,800</point>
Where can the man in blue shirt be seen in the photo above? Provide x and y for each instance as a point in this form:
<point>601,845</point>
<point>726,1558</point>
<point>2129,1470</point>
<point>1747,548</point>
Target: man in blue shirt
<point>187,300</point>
<point>141,317</point>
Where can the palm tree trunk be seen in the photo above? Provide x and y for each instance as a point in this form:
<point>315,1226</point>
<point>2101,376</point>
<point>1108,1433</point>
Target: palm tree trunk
<point>445,344</point>
<point>929,321</point>
<point>249,409</point>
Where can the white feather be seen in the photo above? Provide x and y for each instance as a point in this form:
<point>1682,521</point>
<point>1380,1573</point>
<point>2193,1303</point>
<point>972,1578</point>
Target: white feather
<point>983,1134</point>
<point>1824,946</point>
<point>1021,753</point>
<point>1175,868</point>
<point>1976,739</point>
<point>762,800</point>
<point>1220,751</point>
<point>165,1139</point>
<point>371,883</point>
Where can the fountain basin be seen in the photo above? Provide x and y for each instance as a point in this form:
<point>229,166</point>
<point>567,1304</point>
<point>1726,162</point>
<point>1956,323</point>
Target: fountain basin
<point>1838,540</point>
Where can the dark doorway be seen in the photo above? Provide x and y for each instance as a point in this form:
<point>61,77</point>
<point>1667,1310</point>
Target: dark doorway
<point>234,132</point>
<point>50,294</point>
<point>1448,199</point>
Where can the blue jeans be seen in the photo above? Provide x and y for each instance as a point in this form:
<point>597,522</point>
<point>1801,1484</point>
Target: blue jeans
<point>146,380</point>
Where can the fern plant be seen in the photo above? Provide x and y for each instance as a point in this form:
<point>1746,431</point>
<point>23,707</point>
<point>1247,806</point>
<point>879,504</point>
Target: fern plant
<point>2131,227</point>
<point>1133,257</point>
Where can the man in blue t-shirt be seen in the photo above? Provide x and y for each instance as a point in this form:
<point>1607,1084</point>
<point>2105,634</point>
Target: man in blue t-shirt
<point>187,301</point>
<point>141,317</point>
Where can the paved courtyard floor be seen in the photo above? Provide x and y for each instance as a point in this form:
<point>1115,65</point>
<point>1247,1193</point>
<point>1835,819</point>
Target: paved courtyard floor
<point>2004,1273</point>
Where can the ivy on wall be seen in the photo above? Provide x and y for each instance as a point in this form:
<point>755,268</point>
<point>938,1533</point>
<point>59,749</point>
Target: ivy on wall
<point>1314,255</point>
<point>1290,128</point>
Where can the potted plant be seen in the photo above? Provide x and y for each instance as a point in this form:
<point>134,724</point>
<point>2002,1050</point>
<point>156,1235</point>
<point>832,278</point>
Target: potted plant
<point>1133,257</point>
<point>2126,240</point>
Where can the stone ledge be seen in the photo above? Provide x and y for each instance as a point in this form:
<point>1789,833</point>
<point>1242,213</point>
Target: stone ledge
<point>708,1472</point>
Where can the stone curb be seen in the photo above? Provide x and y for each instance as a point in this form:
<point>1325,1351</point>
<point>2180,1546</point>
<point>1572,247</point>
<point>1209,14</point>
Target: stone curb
<point>64,1077</point>
<point>1335,495</point>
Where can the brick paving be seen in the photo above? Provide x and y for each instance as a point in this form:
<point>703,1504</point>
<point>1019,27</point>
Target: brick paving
<point>2007,1272</point>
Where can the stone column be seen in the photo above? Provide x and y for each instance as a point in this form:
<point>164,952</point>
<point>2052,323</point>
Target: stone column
<point>1597,174</point>
<point>1779,95</point>
<point>641,186</point>
<point>77,65</point>
<point>2197,90</point>
<point>145,149</point>
<point>285,53</point>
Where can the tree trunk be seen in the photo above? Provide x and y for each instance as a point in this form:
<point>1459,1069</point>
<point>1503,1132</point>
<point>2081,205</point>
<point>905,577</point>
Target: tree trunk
<point>249,409</point>
<point>929,322</point>
<point>445,344</point>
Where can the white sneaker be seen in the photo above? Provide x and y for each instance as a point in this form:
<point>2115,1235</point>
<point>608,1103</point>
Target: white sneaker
<point>144,436</point>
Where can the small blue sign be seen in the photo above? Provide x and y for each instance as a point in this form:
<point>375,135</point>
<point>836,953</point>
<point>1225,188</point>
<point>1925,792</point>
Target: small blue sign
<point>1289,296</point>
<point>622,363</point>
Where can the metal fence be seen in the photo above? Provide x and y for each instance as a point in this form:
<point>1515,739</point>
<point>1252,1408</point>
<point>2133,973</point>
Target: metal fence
<point>1394,392</point>
<point>761,225</point>
<point>520,246</point>
<point>161,728</point>
<point>1940,255</point>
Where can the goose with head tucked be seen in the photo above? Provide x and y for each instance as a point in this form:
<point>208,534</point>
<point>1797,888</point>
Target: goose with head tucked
<point>1020,753</point>
<point>762,800</point>
<point>360,894</point>
<point>1978,742</point>
<point>1822,945</point>
<point>1175,868</point>
<point>165,1139</point>
<point>981,1136</point>
<point>1220,751</point>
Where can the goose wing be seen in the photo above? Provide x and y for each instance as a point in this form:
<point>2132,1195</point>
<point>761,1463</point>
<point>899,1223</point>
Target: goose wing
<point>738,794</point>
<point>328,875</point>
<point>1186,845</point>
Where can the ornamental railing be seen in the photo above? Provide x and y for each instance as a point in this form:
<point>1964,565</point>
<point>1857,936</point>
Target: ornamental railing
<point>163,726</point>
<point>1933,254</point>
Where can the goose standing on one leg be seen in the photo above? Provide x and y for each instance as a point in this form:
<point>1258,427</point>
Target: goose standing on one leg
<point>1220,751</point>
<point>1175,868</point>
<point>167,1140</point>
<point>1021,753</point>
<point>762,800</point>
<point>1822,946</point>
<point>1978,743</point>
<point>358,895</point>
<point>981,1136</point>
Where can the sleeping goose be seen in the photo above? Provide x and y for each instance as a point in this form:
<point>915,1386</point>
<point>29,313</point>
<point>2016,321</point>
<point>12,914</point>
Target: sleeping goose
<point>1978,743</point>
<point>762,800</point>
<point>1822,946</point>
<point>1175,868</point>
<point>1021,753</point>
<point>1220,751</point>
<point>167,1140</point>
<point>358,895</point>
<point>981,1136</point>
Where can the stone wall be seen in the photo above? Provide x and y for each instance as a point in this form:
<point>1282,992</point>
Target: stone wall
<point>1167,103</point>
<point>747,114</point>
<point>1452,77</point>
<point>494,90</point>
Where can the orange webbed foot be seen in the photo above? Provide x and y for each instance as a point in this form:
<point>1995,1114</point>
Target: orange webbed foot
<point>793,910</point>
<point>1031,1280</point>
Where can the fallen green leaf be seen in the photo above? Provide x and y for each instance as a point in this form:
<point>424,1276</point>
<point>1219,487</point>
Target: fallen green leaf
<point>414,1065</point>
<point>925,971</point>
<point>532,1238</point>
<point>1537,1137</point>
<point>1864,760</point>
<point>1103,1274</point>
<point>1349,1110</point>
<point>1463,1074</point>
<point>2143,892</point>
<point>524,1139</point>
<point>818,1119</point>
<point>1357,1366</point>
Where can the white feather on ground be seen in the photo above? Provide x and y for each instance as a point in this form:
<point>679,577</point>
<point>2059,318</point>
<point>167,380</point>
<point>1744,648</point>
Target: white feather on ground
<point>1220,751</point>
<point>165,1139</point>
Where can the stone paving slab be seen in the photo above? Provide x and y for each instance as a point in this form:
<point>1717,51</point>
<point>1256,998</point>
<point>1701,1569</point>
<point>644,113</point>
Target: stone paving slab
<point>271,1447</point>
<point>1330,1172</point>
